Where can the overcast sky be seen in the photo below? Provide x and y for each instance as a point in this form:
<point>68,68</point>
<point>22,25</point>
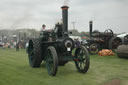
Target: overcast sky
<point>106,14</point>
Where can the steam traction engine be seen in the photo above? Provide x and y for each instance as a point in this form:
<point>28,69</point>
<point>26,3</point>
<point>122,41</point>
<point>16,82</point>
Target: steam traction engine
<point>56,49</point>
<point>102,40</point>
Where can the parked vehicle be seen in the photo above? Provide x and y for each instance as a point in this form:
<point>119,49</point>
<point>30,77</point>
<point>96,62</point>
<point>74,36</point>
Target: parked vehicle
<point>102,40</point>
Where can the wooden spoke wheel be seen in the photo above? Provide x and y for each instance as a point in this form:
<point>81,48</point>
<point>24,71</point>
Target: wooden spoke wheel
<point>51,61</point>
<point>82,63</point>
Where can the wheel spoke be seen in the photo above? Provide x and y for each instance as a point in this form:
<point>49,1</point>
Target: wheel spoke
<point>80,65</point>
<point>49,62</point>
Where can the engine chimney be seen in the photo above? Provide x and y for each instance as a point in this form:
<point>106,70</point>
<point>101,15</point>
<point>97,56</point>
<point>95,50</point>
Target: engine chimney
<point>90,28</point>
<point>65,20</point>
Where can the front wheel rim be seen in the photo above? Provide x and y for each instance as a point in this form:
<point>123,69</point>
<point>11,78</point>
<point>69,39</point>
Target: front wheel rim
<point>82,63</point>
<point>49,62</point>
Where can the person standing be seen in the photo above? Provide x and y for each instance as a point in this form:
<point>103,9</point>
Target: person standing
<point>77,42</point>
<point>17,46</point>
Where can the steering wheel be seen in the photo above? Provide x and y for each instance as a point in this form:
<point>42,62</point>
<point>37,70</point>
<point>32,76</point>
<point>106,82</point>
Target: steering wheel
<point>109,32</point>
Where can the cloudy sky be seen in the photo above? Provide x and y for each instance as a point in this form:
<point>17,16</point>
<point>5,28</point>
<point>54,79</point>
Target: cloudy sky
<point>106,14</point>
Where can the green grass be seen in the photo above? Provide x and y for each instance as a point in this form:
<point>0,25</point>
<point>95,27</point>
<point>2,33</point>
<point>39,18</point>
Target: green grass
<point>15,70</point>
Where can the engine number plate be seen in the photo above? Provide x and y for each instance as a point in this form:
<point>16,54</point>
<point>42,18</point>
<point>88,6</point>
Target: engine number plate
<point>68,49</point>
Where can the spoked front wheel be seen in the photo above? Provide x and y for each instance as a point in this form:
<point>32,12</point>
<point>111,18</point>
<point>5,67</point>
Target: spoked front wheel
<point>51,61</point>
<point>82,63</point>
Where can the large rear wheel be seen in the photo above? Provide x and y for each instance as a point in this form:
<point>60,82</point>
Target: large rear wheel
<point>34,52</point>
<point>51,61</point>
<point>114,43</point>
<point>83,62</point>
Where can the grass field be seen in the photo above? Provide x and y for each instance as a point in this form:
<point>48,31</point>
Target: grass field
<point>15,70</point>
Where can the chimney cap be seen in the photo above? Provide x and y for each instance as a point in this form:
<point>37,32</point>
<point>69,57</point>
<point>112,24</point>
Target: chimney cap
<point>90,21</point>
<point>64,7</point>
